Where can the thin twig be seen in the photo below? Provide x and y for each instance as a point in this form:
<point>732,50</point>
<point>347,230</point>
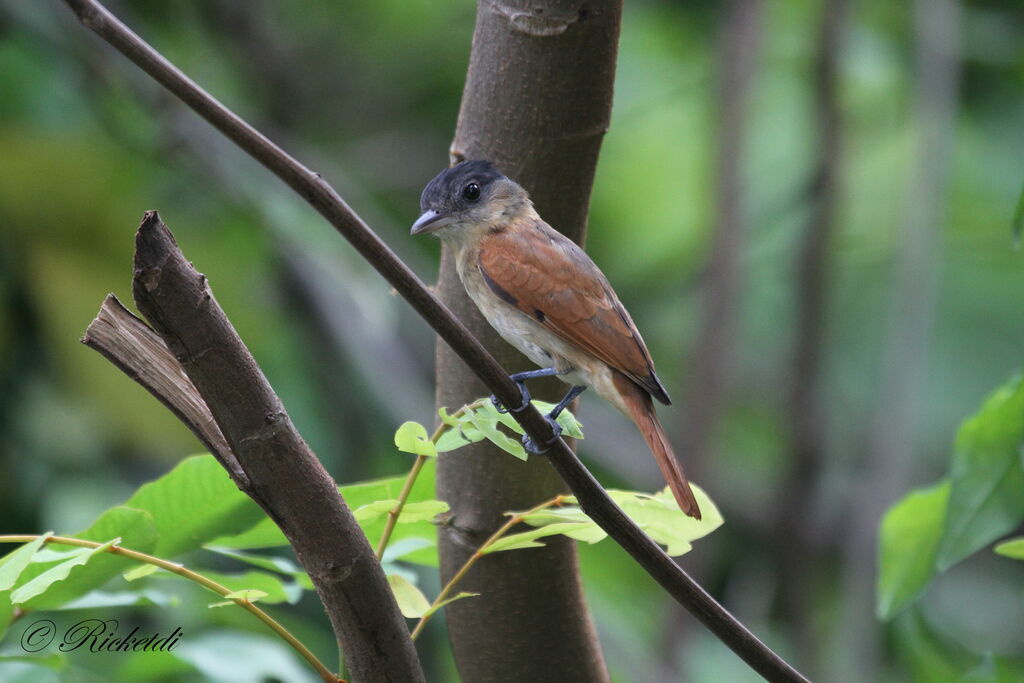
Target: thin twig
<point>203,581</point>
<point>410,480</point>
<point>321,196</point>
<point>480,552</point>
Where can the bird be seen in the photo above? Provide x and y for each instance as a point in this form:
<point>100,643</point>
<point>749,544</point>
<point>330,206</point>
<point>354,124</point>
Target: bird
<point>545,296</point>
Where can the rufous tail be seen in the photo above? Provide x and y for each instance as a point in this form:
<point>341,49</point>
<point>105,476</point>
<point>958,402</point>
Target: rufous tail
<point>641,409</point>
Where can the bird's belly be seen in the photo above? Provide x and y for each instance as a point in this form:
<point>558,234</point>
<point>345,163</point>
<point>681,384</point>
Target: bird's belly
<point>535,341</point>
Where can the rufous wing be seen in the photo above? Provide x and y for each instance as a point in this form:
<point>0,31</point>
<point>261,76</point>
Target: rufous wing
<point>548,277</point>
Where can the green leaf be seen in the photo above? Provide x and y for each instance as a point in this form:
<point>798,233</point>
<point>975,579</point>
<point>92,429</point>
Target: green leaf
<point>55,661</point>
<point>1018,219</point>
<point>281,565</point>
<point>235,655</point>
<point>928,656</point>
<point>412,512</point>
<point>407,546</point>
<point>194,503</point>
<point>987,476</point>
<point>13,564</point>
<point>909,539</point>
<point>658,515</point>
<point>457,437</point>
<point>265,534</point>
<point>1013,548</point>
<point>146,597</point>
<point>60,572</point>
<point>246,595</point>
<point>411,601</point>
<point>136,531</point>
<point>486,420</point>
<point>412,437</point>
<point>6,612</point>
<point>447,419</point>
<point>274,590</point>
<point>460,431</point>
<point>528,539</point>
<point>449,601</point>
<point>143,570</point>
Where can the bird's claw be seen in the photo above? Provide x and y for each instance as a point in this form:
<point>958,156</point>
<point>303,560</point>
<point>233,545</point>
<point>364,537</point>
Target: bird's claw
<point>531,447</point>
<point>524,392</point>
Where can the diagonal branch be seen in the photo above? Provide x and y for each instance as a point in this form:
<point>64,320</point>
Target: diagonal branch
<point>321,196</point>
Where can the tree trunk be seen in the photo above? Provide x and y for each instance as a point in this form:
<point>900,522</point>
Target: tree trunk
<point>537,102</point>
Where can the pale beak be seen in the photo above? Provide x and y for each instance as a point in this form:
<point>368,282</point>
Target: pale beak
<point>430,220</point>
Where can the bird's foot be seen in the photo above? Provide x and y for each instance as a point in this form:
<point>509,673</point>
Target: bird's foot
<point>524,392</point>
<point>532,447</point>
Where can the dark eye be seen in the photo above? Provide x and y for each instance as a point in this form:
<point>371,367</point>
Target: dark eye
<point>471,192</point>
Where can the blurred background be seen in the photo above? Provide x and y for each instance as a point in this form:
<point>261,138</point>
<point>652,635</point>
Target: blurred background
<point>806,206</point>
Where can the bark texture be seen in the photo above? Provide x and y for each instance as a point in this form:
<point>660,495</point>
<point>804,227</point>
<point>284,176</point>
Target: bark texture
<point>282,474</point>
<point>537,102</point>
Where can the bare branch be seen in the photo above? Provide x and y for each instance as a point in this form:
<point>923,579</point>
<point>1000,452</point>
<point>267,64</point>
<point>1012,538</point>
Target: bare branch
<point>140,353</point>
<point>281,473</point>
<point>325,200</point>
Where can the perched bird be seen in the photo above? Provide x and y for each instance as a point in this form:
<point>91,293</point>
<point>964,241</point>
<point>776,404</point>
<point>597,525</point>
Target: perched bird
<point>547,298</point>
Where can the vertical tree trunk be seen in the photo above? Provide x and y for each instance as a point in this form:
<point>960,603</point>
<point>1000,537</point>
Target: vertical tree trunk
<point>537,102</point>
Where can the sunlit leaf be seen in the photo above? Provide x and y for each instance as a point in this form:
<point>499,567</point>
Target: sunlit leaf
<point>62,571</point>
<point>449,601</point>
<point>266,534</point>
<point>139,572</point>
<point>237,655</point>
<point>985,502</point>
<point>55,660</point>
<point>398,550</point>
<point>566,420</point>
<point>487,423</point>
<point>461,435</point>
<point>1013,548</point>
<point>412,437</point>
<point>411,601</point>
<point>246,595</point>
<point>528,539</point>
<point>146,597</point>
<point>282,565</point>
<point>273,588</point>
<point>658,515</point>
<point>6,612</point>
<point>412,512</point>
<point>909,539</point>
<point>136,530</point>
<point>194,503</point>
<point>14,563</point>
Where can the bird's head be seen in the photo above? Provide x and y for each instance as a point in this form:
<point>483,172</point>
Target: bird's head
<point>467,199</point>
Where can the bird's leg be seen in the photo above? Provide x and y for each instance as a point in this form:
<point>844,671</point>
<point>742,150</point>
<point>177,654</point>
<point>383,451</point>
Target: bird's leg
<point>566,400</point>
<point>528,443</point>
<point>519,378</point>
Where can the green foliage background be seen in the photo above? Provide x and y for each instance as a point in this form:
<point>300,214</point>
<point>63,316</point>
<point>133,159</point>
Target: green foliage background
<point>367,94</point>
